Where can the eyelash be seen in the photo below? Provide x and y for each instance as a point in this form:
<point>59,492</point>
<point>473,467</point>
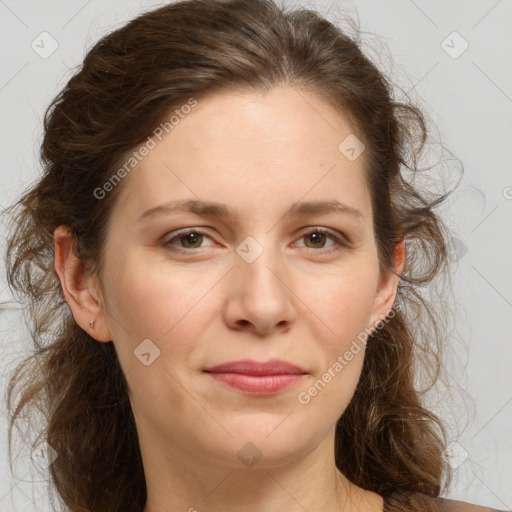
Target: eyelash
<point>341,241</point>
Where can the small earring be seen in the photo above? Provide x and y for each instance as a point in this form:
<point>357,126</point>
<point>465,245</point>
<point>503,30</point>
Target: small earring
<point>91,323</point>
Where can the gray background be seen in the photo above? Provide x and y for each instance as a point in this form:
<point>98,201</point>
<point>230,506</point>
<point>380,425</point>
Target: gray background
<point>468,96</point>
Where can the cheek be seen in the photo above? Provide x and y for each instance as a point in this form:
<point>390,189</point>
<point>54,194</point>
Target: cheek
<point>342,307</point>
<point>342,303</point>
<point>159,315</point>
<point>330,388</point>
<point>167,306</point>
<point>327,395</point>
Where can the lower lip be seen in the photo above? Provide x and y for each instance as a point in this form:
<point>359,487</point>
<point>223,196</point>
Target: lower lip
<point>257,385</point>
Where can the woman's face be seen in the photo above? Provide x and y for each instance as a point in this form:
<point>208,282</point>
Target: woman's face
<point>264,283</point>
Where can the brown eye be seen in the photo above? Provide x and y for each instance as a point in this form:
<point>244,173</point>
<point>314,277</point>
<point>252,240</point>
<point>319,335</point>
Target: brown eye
<point>315,240</point>
<point>191,238</point>
<point>186,240</point>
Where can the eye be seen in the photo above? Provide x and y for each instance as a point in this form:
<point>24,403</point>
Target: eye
<point>193,238</point>
<point>190,239</point>
<point>318,236</point>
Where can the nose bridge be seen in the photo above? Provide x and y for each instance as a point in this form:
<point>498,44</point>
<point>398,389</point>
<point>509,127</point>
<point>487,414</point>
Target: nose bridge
<point>258,263</point>
<point>259,293</point>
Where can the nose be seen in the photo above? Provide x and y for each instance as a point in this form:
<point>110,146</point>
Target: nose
<point>259,294</point>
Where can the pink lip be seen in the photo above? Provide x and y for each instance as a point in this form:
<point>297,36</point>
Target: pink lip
<point>257,378</point>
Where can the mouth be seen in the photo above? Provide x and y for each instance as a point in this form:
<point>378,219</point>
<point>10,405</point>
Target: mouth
<point>257,378</point>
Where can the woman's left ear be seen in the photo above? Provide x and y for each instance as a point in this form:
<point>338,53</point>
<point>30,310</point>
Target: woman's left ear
<point>388,286</point>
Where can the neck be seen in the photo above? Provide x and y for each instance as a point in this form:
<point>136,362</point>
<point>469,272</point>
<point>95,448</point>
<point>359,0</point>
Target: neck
<point>176,480</point>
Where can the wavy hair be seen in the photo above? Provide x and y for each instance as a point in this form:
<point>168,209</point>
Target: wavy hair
<point>387,440</point>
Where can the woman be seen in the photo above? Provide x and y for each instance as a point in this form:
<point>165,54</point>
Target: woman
<point>227,260</point>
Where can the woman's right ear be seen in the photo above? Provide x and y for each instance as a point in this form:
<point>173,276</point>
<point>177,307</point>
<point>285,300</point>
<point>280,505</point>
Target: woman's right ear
<point>80,289</point>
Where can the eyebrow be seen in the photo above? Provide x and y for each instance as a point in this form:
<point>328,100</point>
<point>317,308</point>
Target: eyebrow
<point>205,208</point>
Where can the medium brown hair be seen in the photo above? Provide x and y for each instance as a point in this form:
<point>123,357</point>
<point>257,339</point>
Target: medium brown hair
<point>386,441</point>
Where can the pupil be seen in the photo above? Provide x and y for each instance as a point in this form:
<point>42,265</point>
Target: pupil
<point>315,236</point>
<point>191,238</point>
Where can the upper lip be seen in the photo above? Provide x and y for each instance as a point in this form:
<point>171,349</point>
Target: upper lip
<point>250,367</point>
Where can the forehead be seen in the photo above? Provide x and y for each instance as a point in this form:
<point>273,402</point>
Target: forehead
<point>282,145</point>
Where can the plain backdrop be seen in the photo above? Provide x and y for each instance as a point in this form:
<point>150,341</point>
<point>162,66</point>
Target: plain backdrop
<point>454,57</point>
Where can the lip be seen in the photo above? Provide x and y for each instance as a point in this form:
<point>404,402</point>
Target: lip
<point>251,367</point>
<point>257,378</point>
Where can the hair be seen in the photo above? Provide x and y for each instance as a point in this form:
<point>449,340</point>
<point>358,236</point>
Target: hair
<point>387,441</point>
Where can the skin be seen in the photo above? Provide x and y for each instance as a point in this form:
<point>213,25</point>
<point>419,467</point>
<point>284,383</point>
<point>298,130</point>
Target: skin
<point>296,301</point>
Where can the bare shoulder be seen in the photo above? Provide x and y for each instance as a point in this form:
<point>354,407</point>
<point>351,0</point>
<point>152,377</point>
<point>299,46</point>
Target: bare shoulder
<point>446,505</point>
<point>420,501</point>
